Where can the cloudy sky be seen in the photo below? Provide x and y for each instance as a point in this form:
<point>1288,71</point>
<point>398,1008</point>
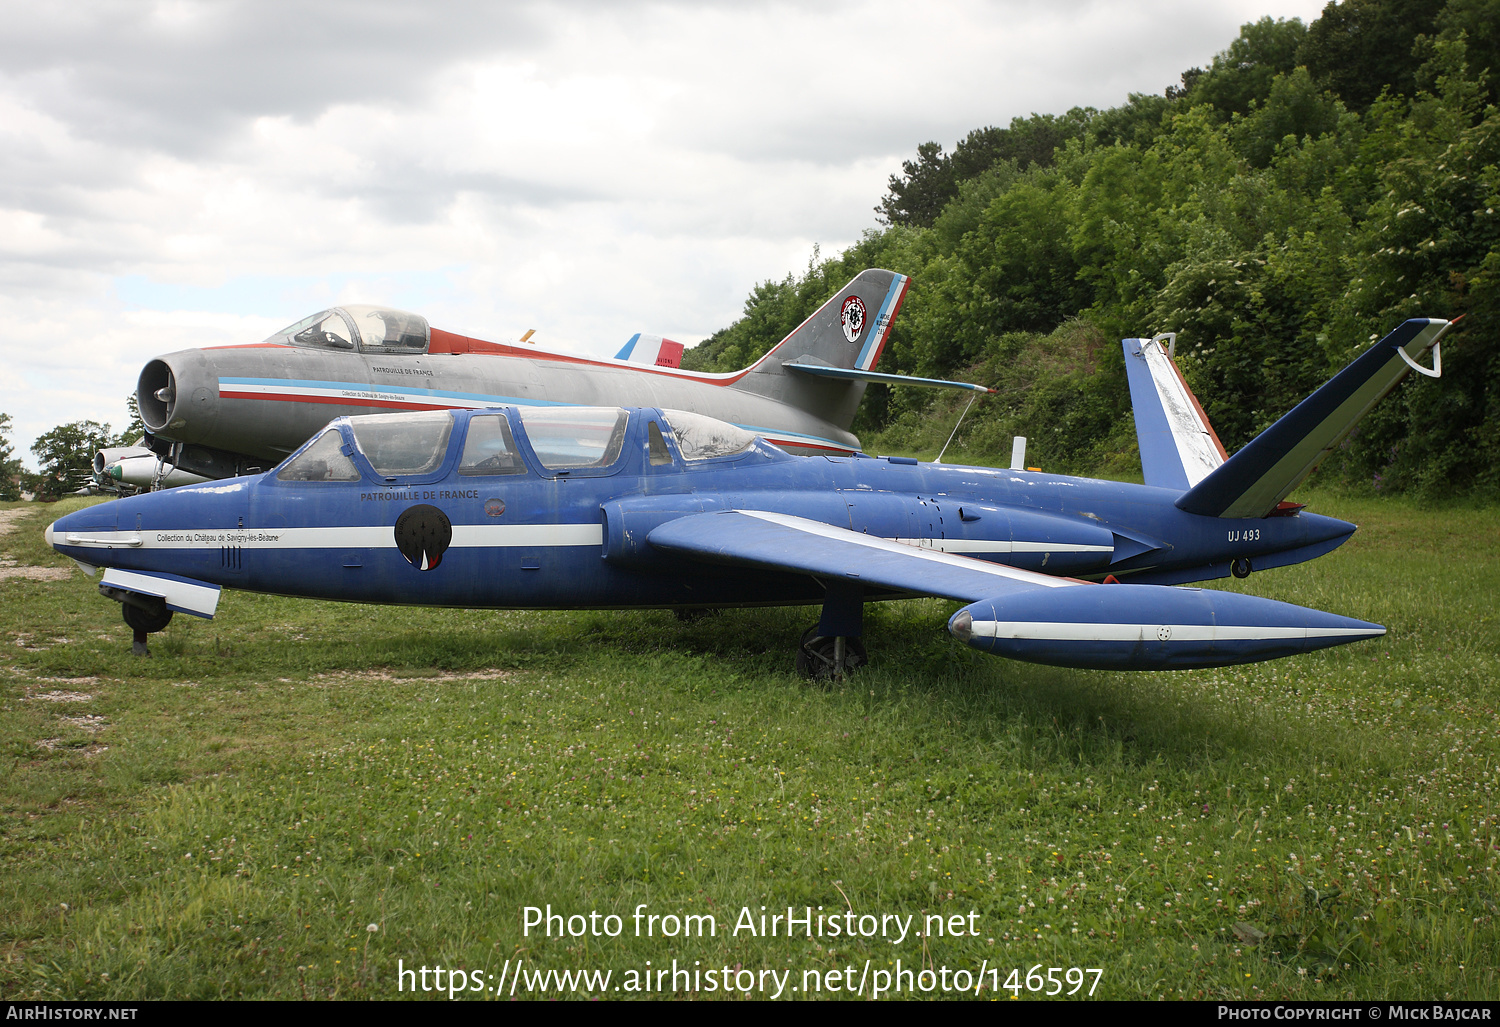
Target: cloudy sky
<point>182,173</point>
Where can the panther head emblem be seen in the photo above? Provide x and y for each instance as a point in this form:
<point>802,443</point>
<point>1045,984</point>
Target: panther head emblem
<point>852,318</point>
<point>422,534</point>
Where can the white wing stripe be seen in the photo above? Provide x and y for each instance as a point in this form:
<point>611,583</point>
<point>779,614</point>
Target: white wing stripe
<point>901,549</point>
<point>962,545</point>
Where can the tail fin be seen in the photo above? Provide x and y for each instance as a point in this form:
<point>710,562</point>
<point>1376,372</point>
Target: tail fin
<point>1178,445</point>
<point>848,332</point>
<point>1253,481</point>
<point>652,350</point>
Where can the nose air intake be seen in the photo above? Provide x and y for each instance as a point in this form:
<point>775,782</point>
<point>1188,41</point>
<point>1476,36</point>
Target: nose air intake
<point>156,395</point>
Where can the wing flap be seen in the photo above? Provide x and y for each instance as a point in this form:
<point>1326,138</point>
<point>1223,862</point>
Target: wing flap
<point>782,542</point>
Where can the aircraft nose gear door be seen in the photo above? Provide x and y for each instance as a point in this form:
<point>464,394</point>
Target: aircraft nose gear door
<point>145,615</point>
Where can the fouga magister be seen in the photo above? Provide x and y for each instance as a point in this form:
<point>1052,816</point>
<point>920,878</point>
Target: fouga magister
<point>611,507</point>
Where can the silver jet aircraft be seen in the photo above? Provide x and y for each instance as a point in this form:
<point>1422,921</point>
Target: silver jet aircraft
<point>227,410</point>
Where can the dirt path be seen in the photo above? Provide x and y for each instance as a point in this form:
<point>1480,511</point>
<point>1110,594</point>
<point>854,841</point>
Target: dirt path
<point>8,566</point>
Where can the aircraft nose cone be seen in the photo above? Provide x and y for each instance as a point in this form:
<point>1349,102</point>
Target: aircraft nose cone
<point>1340,529</point>
<point>89,522</point>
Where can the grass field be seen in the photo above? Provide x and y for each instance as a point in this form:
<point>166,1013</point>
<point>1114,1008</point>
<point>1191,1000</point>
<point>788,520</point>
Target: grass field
<point>297,799</point>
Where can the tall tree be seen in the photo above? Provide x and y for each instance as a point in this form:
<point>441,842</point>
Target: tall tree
<point>1478,22</point>
<point>1359,47</point>
<point>66,455</point>
<point>10,467</point>
<point>930,182</point>
<point>135,427</point>
<point>917,197</point>
<point>1242,74</point>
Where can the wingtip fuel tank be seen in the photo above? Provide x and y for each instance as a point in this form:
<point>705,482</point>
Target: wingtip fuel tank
<point>1149,627</point>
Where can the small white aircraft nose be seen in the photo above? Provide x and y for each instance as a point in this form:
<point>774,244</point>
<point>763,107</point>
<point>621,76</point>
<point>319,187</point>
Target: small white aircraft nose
<point>48,533</point>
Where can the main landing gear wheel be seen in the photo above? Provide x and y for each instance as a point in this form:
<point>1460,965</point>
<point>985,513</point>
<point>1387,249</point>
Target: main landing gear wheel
<point>1240,568</point>
<point>822,658</point>
<point>144,622</point>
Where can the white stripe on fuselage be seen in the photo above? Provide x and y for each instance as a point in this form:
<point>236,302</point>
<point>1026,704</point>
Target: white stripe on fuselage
<point>280,390</point>
<point>1069,631</point>
<point>363,536</point>
<point>477,536</point>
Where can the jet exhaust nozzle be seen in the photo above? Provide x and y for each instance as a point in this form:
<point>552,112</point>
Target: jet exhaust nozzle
<point>1149,627</point>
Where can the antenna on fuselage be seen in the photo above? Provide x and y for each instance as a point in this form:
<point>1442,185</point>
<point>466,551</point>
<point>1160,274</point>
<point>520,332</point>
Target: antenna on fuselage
<point>955,428</point>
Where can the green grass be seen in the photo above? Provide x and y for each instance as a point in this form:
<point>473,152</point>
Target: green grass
<point>229,817</point>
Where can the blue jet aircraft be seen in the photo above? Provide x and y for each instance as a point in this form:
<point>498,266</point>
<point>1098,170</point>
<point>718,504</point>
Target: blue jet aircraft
<point>555,507</point>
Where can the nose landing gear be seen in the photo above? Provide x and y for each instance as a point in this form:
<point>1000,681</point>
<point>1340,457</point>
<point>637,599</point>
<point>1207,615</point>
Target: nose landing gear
<point>145,615</point>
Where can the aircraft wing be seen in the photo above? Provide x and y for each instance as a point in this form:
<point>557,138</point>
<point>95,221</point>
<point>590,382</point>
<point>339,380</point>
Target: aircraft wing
<point>783,542</point>
<point>1021,614</point>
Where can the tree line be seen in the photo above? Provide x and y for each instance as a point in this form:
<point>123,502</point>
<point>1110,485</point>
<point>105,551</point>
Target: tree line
<point>65,455</point>
<point>1311,188</point>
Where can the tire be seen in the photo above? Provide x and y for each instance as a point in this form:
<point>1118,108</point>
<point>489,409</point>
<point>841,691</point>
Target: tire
<point>146,620</point>
<point>815,655</point>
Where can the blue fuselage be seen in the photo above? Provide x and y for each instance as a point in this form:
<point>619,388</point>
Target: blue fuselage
<point>539,538</point>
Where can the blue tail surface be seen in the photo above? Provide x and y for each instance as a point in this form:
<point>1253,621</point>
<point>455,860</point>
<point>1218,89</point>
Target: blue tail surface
<point>1257,478</point>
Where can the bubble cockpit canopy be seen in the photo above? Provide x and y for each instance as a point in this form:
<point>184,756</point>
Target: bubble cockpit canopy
<point>361,326</point>
<point>563,439</point>
<point>700,437</point>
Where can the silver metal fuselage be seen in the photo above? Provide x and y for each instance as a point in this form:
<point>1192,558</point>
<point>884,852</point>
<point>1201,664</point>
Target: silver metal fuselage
<point>223,411</point>
<point>265,400</point>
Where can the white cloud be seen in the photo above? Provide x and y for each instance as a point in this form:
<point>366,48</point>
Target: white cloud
<point>185,174</point>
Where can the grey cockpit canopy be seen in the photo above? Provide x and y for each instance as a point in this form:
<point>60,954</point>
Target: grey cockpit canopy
<point>362,326</point>
<point>562,439</point>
